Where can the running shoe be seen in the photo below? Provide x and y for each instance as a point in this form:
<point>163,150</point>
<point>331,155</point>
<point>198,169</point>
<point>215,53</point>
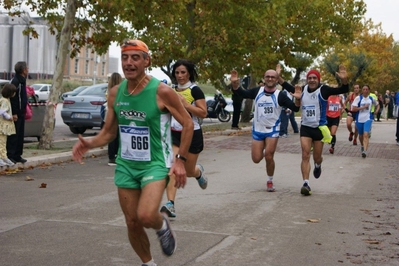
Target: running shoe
<point>144,264</point>
<point>269,186</point>
<point>350,136</point>
<point>317,171</point>
<point>397,142</point>
<point>169,209</point>
<point>331,150</point>
<point>202,181</point>
<point>364,154</point>
<point>8,162</point>
<point>167,238</point>
<point>111,162</point>
<point>355,142</point>
<point>362,149</point>
<point>305,190</point>
<point>2,163</point>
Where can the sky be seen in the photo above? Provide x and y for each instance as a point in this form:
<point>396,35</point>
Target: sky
<point>384,11</point>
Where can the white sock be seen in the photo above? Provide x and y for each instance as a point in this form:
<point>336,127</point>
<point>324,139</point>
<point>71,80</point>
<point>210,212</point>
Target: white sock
<point>307,181</point>
<point>317,165</point>
<point>270,178</point>
<point>164,226</point>
<point>150,263</point>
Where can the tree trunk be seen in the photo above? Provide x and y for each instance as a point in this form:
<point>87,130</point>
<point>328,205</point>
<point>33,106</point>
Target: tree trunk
<point>49,121</point>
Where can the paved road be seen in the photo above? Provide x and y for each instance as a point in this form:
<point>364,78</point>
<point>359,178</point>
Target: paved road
<point>351,218</point>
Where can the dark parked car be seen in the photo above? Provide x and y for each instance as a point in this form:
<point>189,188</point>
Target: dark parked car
<point>83,111</point>
<point>33,127</point>
<point>73,92</point>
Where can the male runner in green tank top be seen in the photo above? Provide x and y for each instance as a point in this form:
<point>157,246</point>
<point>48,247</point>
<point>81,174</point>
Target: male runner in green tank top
<point>141,107</point>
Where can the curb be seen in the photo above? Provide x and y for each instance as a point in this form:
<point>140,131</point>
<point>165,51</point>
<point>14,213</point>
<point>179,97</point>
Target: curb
<point>53,158</point>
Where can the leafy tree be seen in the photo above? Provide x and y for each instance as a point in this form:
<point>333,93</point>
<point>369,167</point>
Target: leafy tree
<point>314,26</point>
<point>394,71</point>
<point>369,58</point>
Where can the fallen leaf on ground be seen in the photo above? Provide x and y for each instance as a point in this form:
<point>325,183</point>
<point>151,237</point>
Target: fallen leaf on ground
<point>43,185</point>
<point>369,241</point>
<point>313,220</point>
<point>28,178</point>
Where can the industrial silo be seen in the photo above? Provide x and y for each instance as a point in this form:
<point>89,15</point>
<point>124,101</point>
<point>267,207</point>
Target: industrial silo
<point>20,45</point>
<point>36,52</point>
<point>5,48</point>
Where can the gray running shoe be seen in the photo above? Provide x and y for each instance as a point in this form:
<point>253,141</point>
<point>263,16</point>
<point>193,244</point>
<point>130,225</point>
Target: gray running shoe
<point>364,154</point>
<point>2,163</point>
<point>167,238</point>
<point>202,181</point>
<point>169,209</point>
<point>8,162</point>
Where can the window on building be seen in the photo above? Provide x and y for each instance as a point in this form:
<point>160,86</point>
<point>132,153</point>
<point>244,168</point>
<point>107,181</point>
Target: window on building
<point>87,67</point>
<point>76,66</point>
<point>103,69</point>
<point>87,52</point>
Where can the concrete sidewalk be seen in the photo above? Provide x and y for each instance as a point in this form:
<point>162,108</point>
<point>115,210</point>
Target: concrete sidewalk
<point>351,218</point>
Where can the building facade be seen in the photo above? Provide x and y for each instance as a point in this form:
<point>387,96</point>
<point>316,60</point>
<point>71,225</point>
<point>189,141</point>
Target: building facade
<point>40,53</point>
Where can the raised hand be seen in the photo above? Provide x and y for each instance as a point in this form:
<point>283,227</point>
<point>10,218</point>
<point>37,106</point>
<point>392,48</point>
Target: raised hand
<point>342,75</point>
<point>278,69</point>
<point>298,92</point>
<point>235,81</point>
<point>233,75</point>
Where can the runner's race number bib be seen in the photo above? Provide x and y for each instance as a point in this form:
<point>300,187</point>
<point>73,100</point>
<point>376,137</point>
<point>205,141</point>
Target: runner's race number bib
<point>135,143</point>
<point>309,112</point>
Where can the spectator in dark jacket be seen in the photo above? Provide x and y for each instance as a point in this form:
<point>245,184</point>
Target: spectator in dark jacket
<point>15,143</point>
<point>237,104</point>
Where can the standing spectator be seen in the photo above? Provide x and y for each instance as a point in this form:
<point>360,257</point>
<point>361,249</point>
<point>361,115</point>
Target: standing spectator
<point>285,112</point>
<point>386,103</point>
<point>381,104</point>
<point>291,117</point>
<point>364,118</point>
<point>237,104</point>
<point>397,118</point>
<point>114,79</point>
<point>391,104</point>
<point>15,142</point>
<point>285,116</point>
<point>7,126</point>
<point>141,107</point>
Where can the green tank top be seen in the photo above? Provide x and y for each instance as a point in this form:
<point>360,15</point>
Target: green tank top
<point>144,130</point>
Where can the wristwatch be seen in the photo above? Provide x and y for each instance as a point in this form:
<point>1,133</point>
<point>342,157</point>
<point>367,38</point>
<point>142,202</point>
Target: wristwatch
<point>178,156</point>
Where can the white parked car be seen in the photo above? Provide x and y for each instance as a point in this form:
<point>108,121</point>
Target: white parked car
<point>42,91</point>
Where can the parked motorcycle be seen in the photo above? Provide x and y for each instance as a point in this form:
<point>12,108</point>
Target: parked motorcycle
<point>216,108</point>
